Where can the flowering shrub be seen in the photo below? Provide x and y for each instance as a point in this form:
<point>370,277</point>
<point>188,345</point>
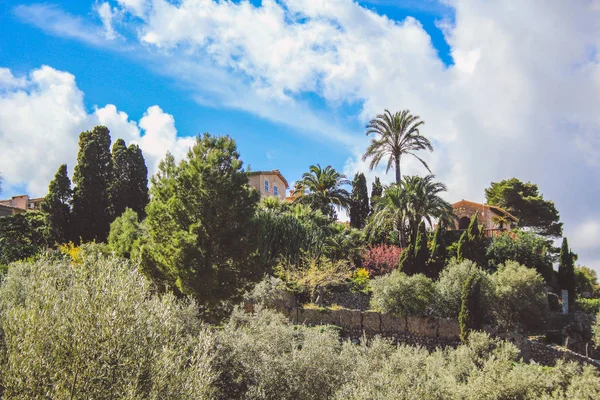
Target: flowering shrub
<point>381,259</point>
<point>360,280</point>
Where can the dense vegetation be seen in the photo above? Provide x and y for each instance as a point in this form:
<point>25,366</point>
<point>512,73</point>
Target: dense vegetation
<point>96,329</point>
<point>121,289</point>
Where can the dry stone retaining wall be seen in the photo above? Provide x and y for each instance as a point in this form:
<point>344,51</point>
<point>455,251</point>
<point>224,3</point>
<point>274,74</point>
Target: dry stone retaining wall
<point>425,331</point>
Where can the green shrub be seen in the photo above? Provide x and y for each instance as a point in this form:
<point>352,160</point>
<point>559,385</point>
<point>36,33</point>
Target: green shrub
<point>596,330</point>
<point>518,296</point>
<point>92,330</point>
<point>399,294</point>
<point>590,306</point>
<point>124,232</point>
<point>269,292</point>
<point>448,288</point>
<point>263,356</point>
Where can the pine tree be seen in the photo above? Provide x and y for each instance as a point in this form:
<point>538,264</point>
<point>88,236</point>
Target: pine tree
<point>439,253</point>
<point>471,312</point>
<point>472,244</point>
<point>359,205</point>
<point>57,204</point>
<point>202,237</point>
<point>566,271</point>
<point>91,196</point>
<point>376,192</point>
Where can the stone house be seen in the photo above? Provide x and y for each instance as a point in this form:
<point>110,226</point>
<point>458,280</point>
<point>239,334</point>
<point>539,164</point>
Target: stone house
<point>268,183</point>
<point>19,204</point>
<point>494,219</point>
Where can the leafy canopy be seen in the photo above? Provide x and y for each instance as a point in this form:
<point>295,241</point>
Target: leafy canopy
<point>524,201</point>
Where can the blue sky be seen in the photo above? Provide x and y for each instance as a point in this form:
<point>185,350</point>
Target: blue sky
<point>112,76</point>
<point>505,89</point>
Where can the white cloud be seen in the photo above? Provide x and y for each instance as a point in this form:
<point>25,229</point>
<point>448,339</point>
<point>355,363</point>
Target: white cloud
<point>42,115</point>
<point>521,98</point>
<point>106,15</point>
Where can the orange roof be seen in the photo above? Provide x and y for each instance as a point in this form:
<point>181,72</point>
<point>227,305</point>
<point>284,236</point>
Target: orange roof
<point>272,172</point>
<point>496,209</point>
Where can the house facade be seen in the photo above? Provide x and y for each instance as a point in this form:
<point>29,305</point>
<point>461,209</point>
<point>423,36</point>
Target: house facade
<point>269,183</point>
<point>19,204</point>
<point>494,219</point>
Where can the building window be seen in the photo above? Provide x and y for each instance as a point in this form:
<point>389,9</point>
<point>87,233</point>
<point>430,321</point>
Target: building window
<point>266,186</point>
<point>275,191</point>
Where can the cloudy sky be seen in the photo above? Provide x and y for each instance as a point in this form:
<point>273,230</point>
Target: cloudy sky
<point>506,88</point>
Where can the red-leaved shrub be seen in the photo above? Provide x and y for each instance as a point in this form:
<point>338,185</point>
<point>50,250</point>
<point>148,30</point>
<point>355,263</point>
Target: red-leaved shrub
<point>381,259</point>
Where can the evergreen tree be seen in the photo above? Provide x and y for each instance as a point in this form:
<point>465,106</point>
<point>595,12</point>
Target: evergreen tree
<point>439,253</point>
<point>472,244</point>
<point>406,263</point>
<point>139,197</point>
<point>359,205</point>
<point>130,185</point>
<point>91,196</point>
<point>202,236</point>
<point>57,204</point>
<point>566,271</point>
<point>121,183</point>
<point>376,192</point>
<point>471,311</point>
<point>421,250</point>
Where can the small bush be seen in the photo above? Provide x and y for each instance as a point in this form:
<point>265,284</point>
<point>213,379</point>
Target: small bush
<point>590,306</point>
<point>381,259</point>
<point>518,296</point>
<point>270,292</point>
<point>400,294</point>
<point>448,288</point>
<point>359,281</point>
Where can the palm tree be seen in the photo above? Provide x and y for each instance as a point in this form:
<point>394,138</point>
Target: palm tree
<point>424,202</point>
<point>396,134</point>
<point>404,206</point>
<point>324,189</point>
<point>389,213</point>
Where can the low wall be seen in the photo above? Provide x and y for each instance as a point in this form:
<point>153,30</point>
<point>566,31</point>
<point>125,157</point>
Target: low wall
<point>548,354</point>
<point>424,331</point>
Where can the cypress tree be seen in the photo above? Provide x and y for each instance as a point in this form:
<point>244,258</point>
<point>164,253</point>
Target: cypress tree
<point>406,263</point>
<point>376,192</point>
<point>57,204</point>
<point>92,178</point>
<point>421,250</point>
<point>471,313</point>
<point>472,244</point>
<point>139,197</point>
<point>121,183</point>
<point>359,205</point>
<point>130,185</point>
<point>566,271</point>
<point>439,254</point>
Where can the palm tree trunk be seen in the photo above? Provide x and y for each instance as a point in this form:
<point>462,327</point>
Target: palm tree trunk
<point>398,176</point>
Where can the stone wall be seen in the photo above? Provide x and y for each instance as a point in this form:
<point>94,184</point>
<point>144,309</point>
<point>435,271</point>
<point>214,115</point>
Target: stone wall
<point>346,299</point>
<point>425,331</point>
<point>548,354</point>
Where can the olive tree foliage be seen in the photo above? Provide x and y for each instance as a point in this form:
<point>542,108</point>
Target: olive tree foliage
<point>518,297</point>
<point>596,330</point>
<point>92,330</point>
<point>449,286</point>
<point>202,235</point>
<point>399,294</point>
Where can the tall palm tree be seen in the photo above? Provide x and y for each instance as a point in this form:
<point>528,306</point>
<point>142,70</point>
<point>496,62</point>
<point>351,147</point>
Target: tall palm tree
<point>395,134</point>
<point>324,189</point>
